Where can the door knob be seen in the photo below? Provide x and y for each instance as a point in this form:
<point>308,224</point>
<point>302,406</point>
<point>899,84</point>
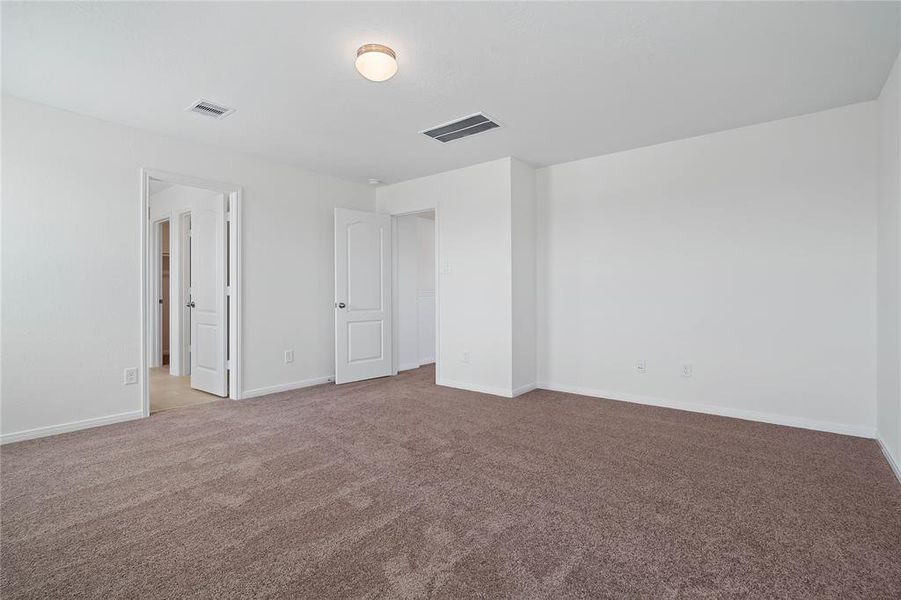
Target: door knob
<point>342,305</point>
<point>190,304</point>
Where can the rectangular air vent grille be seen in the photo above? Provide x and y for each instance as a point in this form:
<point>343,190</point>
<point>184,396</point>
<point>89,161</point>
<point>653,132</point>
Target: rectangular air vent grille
<point>461,128</point>
<point>211,109</point>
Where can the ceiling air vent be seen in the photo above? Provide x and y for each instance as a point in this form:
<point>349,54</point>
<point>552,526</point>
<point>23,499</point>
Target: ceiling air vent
<point>461,128</point>
<point>210,109</point>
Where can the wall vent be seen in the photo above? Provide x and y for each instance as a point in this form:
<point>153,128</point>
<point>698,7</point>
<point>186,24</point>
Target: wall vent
<point>461,128</point>
<point>210,109</point>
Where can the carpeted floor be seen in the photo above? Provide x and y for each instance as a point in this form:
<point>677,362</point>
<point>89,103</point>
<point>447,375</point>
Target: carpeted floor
<point>396,488</point>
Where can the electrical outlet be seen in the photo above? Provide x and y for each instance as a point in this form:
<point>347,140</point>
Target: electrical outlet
<point>641,366</point>
<point>686,370</point>
<point>466,357</point>
<point>130,376</point>
<point>289,356</point>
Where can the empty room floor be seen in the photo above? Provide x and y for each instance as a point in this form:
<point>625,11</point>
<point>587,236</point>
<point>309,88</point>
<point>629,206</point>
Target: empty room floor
<point>168,391</point>
<point>399,488</point>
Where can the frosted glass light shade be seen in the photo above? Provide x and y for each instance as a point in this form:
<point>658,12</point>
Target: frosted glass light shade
<point>376,62</point>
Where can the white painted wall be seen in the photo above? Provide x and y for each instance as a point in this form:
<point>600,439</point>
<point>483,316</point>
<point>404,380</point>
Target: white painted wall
<point>173,203</point>
<point>889,267</point>
<point>71,230</point>
<point>748,253</point>
<point>525,365</point>
<point>474,289</point>
<point>178,199</point>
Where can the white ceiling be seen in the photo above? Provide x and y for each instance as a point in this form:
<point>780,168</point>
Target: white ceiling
<point>567,80</point>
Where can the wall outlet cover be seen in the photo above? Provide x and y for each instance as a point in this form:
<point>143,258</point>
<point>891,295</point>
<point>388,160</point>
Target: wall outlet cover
<point>130,376</point>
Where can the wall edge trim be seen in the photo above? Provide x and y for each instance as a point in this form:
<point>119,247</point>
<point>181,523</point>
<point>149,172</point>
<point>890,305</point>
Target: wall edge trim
<point>286,387</point>
<point>48,430</point>
<point>735,413</point>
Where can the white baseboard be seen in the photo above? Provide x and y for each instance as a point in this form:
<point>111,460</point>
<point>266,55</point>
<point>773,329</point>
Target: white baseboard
<point>422,362</point>
<point>286,387</point>
<point>748,415</point>
<point>894,464</point>
<point>494,391</point>
<point>524,389</point>
<point>38,432</point>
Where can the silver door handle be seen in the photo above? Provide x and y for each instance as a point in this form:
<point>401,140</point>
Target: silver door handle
<point>190,304</point>
<point>341,305</point>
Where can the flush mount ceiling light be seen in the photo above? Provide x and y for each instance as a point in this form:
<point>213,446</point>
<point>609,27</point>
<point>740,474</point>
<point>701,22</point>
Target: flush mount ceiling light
<point>376,62</point>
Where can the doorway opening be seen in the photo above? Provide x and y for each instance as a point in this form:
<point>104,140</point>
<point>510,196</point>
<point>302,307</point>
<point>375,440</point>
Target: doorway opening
<point>415,292</point>
<point>191,301</point>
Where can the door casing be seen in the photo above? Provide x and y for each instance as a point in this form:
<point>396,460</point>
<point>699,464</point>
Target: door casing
<point>235,322</point>
<point>156,266</point>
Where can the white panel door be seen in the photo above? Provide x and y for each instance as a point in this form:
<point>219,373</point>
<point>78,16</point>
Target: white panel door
<point>362,295</point>
<point>209,309</point>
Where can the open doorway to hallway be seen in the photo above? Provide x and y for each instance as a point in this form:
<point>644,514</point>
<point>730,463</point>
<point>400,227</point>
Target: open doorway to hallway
<point>415,291</point>
<point>189,273</point>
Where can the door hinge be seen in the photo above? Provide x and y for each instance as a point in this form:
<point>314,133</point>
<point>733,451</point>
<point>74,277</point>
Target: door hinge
<point>228,290</point>
<point>228,216</point>
<point>228,365</point>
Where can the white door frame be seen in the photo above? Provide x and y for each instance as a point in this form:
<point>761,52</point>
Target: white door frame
<point>184,287</point>
<point>179,363</point>
<point>235,324</point>
<point>395,316</point>
<point>156,281</point>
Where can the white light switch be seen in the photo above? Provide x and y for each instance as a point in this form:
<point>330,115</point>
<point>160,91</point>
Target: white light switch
<point>289,356</point>
<point>641,366</point>
<point>686,370</point>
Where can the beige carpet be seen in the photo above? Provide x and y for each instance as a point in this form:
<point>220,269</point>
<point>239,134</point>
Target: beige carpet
<point>396,488</point>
